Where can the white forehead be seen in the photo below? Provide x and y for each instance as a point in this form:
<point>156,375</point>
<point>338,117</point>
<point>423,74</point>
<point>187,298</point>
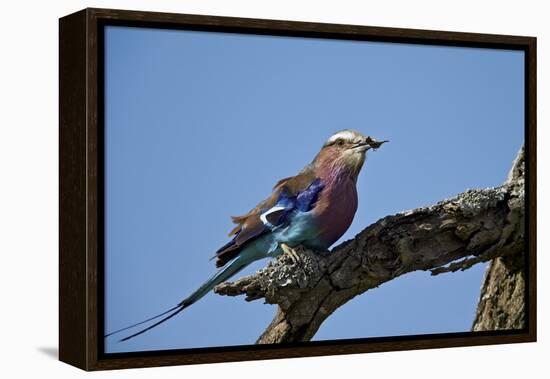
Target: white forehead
<point>346,135</point>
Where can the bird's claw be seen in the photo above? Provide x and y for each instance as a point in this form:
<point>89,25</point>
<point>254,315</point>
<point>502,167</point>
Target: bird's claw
<point>291,253</point>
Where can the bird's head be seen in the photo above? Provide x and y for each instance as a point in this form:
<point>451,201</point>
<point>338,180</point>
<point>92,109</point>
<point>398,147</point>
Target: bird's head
<point>346,150</point>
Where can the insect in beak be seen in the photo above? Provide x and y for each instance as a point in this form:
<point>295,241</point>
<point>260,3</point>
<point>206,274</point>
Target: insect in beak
<point>374,144</point>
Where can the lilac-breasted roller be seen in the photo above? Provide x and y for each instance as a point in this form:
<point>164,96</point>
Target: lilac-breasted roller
<point>313,209</point>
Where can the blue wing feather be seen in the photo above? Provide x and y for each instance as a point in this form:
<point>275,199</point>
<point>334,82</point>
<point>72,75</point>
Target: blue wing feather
<point>265,219</point>
<point>304,201</point>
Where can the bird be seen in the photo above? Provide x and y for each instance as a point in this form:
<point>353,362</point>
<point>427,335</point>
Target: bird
<point>313,209</point>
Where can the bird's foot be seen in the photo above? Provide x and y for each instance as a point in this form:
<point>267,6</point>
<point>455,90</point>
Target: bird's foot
<point>291,253</point>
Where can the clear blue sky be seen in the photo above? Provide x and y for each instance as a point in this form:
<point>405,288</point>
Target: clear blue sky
<point>199,126</point>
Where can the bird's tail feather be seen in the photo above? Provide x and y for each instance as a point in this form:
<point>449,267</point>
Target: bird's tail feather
<point>178,310</point>
<point>141,322</point>
<point>222,275</point>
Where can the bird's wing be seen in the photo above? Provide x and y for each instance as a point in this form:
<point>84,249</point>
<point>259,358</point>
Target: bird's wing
<point>295,192</point>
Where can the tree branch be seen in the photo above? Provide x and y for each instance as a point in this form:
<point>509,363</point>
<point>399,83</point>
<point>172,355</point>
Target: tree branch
<point>502,296</point>
<point>454,234</point>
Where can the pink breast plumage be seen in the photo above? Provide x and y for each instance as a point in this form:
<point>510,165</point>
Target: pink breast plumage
<point>335,208</point>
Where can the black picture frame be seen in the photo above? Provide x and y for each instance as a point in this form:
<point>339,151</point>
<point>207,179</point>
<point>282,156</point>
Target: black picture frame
<point>81,182</point>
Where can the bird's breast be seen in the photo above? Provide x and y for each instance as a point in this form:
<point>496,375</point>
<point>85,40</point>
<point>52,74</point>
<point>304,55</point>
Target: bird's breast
<point>335,210</point>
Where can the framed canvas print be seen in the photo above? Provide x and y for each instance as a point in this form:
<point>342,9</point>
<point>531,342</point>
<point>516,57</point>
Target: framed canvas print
<point>237,189</point>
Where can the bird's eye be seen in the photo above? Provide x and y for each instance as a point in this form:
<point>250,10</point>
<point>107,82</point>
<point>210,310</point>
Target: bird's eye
<point>340,142</point>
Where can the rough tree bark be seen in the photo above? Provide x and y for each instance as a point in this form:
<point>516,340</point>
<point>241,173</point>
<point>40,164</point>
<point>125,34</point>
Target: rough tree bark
<point>502,298</point>
<point>475,226</point>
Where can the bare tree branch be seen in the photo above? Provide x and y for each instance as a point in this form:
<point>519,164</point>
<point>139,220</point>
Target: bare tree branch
<point>502,296</point>
<point>454,234</point>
